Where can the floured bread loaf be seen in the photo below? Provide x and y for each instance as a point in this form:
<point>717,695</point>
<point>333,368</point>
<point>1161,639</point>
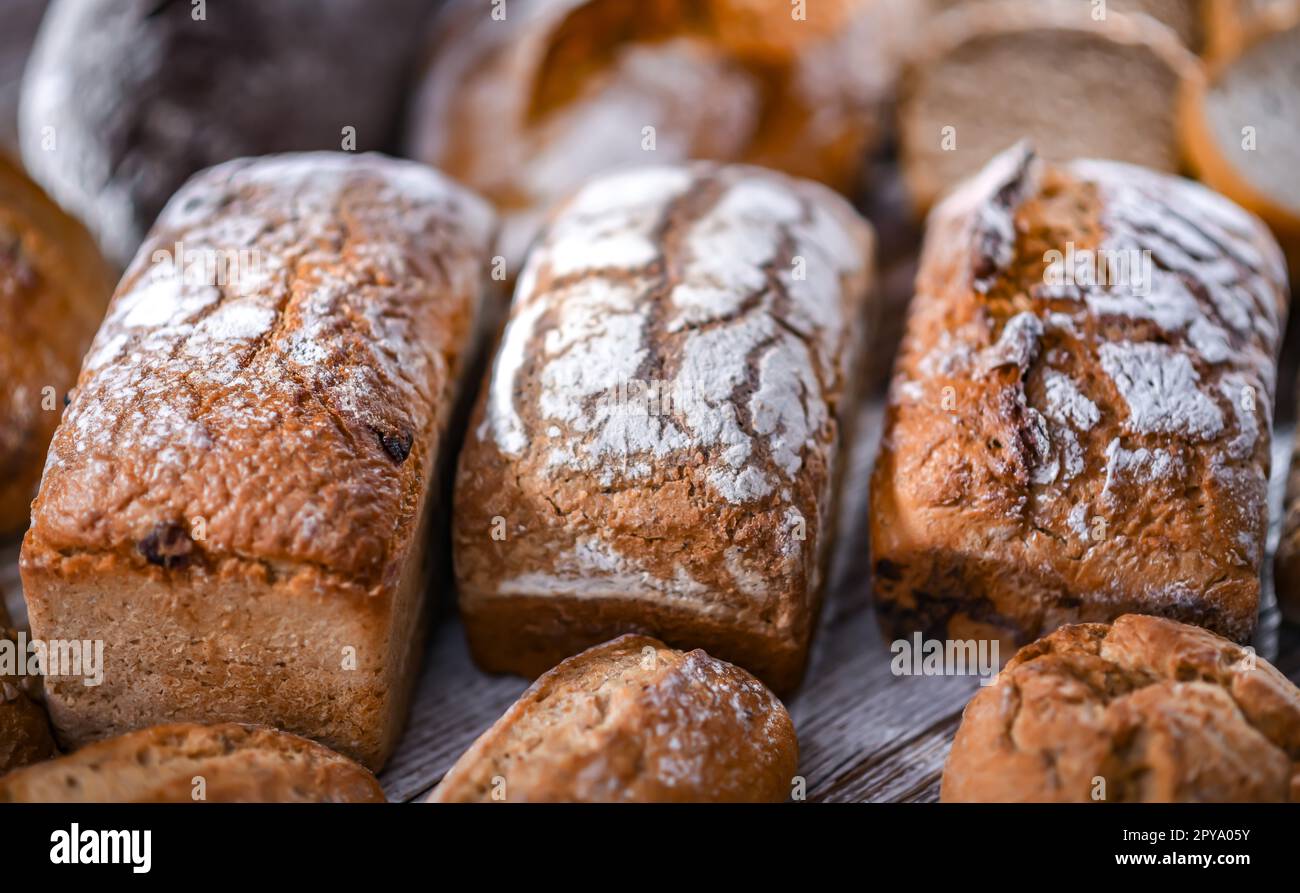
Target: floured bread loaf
<point>236,501</point>
<point>1242,127</point>
<point>1079,422</point>
<point>526,108</point>
<point>24,728</point>
<point>1145,710</point>
<point>632,721</point>
<point>188,763</point>
<point>657,442</point>
<point>990,73</point>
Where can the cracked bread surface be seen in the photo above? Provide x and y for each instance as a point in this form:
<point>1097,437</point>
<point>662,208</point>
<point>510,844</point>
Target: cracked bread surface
<point>239,490</point>
<point>1143,710</point>
<point>1058,449</point>
<point>237,764</point>
<point>632,720</point>
<point>655,447</point>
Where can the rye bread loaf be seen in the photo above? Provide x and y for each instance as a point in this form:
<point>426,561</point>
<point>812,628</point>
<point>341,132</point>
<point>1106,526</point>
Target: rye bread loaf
<point>524,109</point>
<point>188,763</point>
<point>24,728</point>
<point>124,99</point>
<point>657,443</point>
<point>633,721</point>
<point>53,289</point>
<point>237,499</point>
<point>990,73</point>
<point>1145,710</point>
<point>1075,436</point>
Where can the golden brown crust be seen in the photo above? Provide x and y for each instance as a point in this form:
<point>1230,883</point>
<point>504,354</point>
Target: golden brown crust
<point>1144,710</point>
<point>186,762</point>
<point>53,290</point>
<point>1064,451</point>
<point>633,721</point>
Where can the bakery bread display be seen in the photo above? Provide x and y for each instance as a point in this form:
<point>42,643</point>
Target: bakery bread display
<point>1240,125</point>
<point>124,99</point>
<point>990,73</point>
<point>24,728</point>
<point>526,107</point>
<point>633,721</point>
<point>657,443</point>
<point>1079,423</point>
<point>236,501</point>
<point>188,763</point>
<point>1144,710</point>
<point>53,290</point>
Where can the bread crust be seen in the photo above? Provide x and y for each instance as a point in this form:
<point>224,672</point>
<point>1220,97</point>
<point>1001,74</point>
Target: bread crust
<point>633,721</point>
<point>1063,451</point>
<point>1143,710</point>
<point>237,763</point>
<point>237,499</point>
<point>655,447</point>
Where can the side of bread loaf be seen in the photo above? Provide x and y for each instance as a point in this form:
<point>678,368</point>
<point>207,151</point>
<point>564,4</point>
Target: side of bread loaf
<point>990,73</point>
<point>53,290</point>
<point>633,721</point>
<point>1080,417</point>
<point>236,501</point>
<point>1144,710</point>
<point>187,763</point>
<point>656,445</point>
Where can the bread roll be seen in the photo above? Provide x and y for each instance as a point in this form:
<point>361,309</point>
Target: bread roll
<point>1145,710</point>
<point>633,721</point>
<point>1080,416</point>
<point>237,499</point>
<point>657,443</point>
<point>988,74</point>
<point>187,763</point>
<point>53,290</point>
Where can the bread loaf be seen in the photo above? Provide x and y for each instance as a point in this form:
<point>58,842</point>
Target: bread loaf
<point>53,290</point>
<point>124,99</point>
<point>236,500</point>
<point>656,444</point>
<point>990,73</point>
<point>1079,422</point>
<point>525,108</point>
<point>1145,710</point>
<point>186,763</point>
<point>24,728</point>
<point>633,721</point>
<point>1186,18</point>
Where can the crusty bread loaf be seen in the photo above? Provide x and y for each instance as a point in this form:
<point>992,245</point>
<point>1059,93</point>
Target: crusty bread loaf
<point>236,499</point>
<point>53,290</point>
<point>24,728</point>
<point>656,445</point>
<point>526,108</point>
<point>990,73</point>
<point>1144,710</point>
<point>1065,442</point>
<point>124,99</point>
<point>633,721</point>
<point>187,763</point>
<point>1241,127</point>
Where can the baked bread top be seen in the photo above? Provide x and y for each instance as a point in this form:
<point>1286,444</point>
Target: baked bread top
<point>633,721</point>
<point>1145,709</point>
<point>266,383</point>
<point>163,764</point>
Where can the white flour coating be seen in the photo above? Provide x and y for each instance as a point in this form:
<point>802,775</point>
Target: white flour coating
<point>1018,345</point>
<point>989,201</point>
<point>1078,520</point>
<point>1138,467</point>
<point>1159,384</point>
<point>1066,404</point>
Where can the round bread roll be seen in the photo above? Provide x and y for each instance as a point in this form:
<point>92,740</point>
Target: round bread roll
<point>54,287</point>
<point>187,762</point>
<point>1141,710</point>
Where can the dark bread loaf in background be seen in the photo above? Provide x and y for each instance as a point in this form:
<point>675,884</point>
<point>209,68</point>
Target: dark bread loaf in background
<point>54,287</point>
<point>187,763</point>
<point>124,99</point>
<point>24,728</point>
<point>633,721</point>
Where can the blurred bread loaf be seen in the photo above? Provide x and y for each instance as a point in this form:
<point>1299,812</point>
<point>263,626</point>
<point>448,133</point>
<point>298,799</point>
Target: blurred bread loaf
<point>1229,24</point>
<point>24,728</point>
<point>989,73</point>
<point>633,721</point>
<point>187,763</point>
<point>19,20</point>
<point>1186,18</point>
<point>124,99</point>
<point>53,290</point>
